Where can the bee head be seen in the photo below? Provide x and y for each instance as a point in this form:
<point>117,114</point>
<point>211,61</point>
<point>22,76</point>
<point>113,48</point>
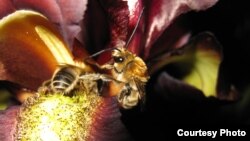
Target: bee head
<point>121,57</point>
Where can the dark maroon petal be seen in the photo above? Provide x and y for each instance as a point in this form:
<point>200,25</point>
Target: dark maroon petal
<point>166,84</point>
<point>135,9</point>
<point>107,123</point>
<point>174,37</point>
<point>118,18</point>
<point>122,18</point>
<point>197,64</point>
<point>204,41</point>
<point>95,33</point>
<point>226,90</point>
<point>8,123</point>
<point>106,25</point>
<point>6,7</point>
<point>79,51</point>
<point>161,14</point>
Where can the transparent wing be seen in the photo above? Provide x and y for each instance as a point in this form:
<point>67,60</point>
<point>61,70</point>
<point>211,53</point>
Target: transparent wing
<point>141,90</point>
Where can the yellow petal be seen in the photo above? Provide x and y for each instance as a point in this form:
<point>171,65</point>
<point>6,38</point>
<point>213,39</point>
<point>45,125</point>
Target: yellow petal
<point>197,63</point>
<point>31,47</point>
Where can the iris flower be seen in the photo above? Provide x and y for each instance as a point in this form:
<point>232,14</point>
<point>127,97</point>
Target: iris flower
<point>184,67</point>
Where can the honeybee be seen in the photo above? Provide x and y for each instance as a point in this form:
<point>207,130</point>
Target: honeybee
<point>70,77</point>
<point>129,69</point>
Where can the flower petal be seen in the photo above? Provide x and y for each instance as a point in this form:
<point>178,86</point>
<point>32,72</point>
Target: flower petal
<point>197,64</point>
<point>123,19</point>
<point>161,14</point>
<point>26,56</point>
<point>117,11</point>
<point>8,122</point>
<point>174,37</point>
<point>6,8</point>
<point>135,9</point>
<point>4,98</point>
<point>112,28</point>
<point>106,123</point>
<point>95,36</point>
<point>65,13</point>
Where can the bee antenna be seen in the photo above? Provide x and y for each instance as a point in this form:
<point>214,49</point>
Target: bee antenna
<point>136,26</point>
<point>100,52</point>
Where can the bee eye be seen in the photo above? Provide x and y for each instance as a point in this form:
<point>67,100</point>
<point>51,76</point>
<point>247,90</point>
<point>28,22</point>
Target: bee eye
<point>118,59</point>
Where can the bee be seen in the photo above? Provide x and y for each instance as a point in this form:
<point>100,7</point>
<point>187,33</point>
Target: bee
<point>70,77</point>
<point>130,70</point>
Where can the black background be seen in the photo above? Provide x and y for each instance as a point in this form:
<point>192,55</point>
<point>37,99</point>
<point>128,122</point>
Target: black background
<point>229,20</point>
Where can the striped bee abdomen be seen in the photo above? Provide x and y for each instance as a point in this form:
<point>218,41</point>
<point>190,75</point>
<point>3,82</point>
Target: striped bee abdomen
<point>65,79</point>
<point>68,79</point>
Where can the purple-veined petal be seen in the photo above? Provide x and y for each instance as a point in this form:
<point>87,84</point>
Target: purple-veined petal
<point>6,7</point>
<point>197,63</point>
<point>121,19</point>
<point>8,122</point>
<point>174,37</point>
<point>135,9</point>
<point>161,14</point>
<point>106,126</point>
<point>65,13</point>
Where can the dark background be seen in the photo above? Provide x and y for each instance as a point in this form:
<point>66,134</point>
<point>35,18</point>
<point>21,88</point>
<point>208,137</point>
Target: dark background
<point>229,20</point>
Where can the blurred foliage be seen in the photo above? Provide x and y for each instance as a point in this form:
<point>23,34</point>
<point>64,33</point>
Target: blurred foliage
<point>4,98</point>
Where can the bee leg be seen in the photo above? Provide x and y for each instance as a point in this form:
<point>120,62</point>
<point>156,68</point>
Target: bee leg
<point>100,79</point>
<point>127,89</point>
<point>100,86</point>
<point>108,78</point>
<point>45,88</point>
<point>87,86</point>
<point>96,77</point>
<point>128,98</point>
<point>124,92</point>
<point>108,65</point>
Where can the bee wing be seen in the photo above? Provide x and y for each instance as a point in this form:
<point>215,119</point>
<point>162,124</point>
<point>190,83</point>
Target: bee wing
<point>30,49</point>
<point>141,90</point>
